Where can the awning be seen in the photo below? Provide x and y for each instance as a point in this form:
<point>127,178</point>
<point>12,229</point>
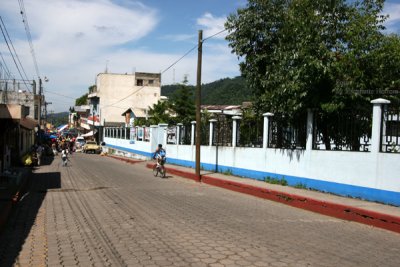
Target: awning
<point>28,123</point>
<point>62,127</point>
<point>88,134</point>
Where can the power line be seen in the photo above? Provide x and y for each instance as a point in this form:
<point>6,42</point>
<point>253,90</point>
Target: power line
<point>111,105</point>
<point>47,91</point>
<point>193,48</point>
<point>187,53</point>
<point>5,32</point>
<point>205,39</point>
<point>28,35</point>
<point>173,64</point>
<point>5,67</point>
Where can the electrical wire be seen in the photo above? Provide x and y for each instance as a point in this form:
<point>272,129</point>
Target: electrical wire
<point>205,39</point>
<point>122,99</point>
<point>47,91</point>
<point>5,67</point>
<point>15,52</point>
<point>28,35</point>
<point>5,32</point>
<point>169,67</point>
<point>188,52</point>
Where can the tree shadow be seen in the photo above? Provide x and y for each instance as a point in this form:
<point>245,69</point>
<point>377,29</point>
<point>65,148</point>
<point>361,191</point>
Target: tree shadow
<point>23,215</point>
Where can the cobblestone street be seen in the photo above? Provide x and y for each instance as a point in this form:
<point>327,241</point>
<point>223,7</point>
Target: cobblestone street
<point>103,212</point>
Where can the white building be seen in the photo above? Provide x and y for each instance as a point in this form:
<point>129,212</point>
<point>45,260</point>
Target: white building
<point>115,93</point>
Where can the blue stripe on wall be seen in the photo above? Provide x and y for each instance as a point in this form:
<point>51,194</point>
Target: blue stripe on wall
<point>139,152</point>
<point>366,193</point>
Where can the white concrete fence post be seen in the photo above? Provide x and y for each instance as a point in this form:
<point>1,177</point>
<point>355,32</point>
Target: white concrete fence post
<point>193,133</point>
<point>235,130</point>
<point>163,136</point>
<point>376,123</point>
<point>178,133</point>
<point>153,137</point>
<point>310,129</point>
<point>210,139</point>
<point>266,128</point>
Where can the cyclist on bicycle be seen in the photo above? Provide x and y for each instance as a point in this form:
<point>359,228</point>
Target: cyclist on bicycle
<point>160,155</point>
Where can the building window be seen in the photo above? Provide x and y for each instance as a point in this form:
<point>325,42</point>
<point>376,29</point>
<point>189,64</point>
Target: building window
<point>139,82</point>
<point>151,82</point>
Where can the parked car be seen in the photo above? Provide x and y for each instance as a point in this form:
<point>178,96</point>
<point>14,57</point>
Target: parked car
<point>79,142</point>
<point>91,146</point>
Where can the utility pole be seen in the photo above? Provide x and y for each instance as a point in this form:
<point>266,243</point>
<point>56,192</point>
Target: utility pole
<point>40,104</point>
<point>198,104</point>
<point>45,110</point>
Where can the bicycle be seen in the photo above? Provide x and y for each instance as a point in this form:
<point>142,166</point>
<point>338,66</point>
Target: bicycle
<point>159,168</point>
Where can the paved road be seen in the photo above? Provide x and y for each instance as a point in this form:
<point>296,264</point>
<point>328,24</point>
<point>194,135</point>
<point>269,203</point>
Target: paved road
<point>103,212</point>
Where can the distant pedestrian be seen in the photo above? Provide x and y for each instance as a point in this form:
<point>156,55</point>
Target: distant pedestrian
<point>54,148</point>
<point>64,157</point>
<point>39,152</point>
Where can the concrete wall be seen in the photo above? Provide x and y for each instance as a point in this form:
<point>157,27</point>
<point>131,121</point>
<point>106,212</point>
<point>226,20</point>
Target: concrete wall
<point>373,175</point>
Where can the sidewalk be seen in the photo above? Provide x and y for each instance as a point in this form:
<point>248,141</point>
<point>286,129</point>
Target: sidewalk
<point>366,212</point>
<point>12,188</point>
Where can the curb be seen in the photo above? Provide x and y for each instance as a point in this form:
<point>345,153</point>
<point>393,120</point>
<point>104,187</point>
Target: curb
<point>372,218</point>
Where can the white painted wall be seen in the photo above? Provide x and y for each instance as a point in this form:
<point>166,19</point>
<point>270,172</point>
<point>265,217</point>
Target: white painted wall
<point>371,175</point>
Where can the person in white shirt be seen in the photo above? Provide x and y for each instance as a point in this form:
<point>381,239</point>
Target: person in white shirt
<point>39,152</point>
<point>64,157</point>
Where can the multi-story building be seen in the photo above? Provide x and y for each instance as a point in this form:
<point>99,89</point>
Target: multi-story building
<point>116,93</point>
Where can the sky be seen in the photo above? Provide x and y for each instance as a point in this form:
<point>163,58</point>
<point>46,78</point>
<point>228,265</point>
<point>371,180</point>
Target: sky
<point>74,40</point>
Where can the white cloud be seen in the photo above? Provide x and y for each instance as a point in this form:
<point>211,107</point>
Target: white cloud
<point>393,22</point>
<point>179,37</point>
<point>212,25</point>
<point>74,40</point>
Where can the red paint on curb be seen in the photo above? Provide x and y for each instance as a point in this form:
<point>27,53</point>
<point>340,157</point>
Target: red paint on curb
<point>380,220</point>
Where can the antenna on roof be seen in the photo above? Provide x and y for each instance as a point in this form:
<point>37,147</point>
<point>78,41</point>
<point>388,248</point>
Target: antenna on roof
<point>106,71</point>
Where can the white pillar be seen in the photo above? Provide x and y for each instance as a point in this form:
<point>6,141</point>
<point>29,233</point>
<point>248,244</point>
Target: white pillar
<point>178,133</point>
<point>234,132</point>
<point>163,127</point>
<point>266,128</point>
<point>193,133</point>
<point>376,123</point>
<point>211,131</point>
<point>310,128</point>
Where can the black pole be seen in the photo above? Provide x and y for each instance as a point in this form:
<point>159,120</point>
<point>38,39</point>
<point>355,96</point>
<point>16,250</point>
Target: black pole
<point>198,104</point>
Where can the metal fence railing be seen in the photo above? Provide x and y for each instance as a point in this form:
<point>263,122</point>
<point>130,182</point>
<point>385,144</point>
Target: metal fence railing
<point>390,130</point>
<point>284,133</point>
<point>185,134</point>
<point>349,130</point>
<point>222,135</point>
<point>250,132</point>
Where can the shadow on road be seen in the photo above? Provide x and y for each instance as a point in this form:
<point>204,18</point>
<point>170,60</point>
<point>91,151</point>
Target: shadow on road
<point>23,216</point>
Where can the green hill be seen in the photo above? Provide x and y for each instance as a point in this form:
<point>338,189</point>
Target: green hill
<point>227,91</point>
<point>58,118</point>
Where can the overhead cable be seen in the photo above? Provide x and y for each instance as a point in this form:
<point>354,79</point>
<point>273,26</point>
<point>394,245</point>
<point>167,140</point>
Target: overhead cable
<point>8,42</point>
<point>28,35</point>
<point>193,48</point>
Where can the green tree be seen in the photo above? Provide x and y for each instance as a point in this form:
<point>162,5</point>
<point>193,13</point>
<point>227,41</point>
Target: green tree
<point>159,113</point>
<point>81,100</point>
<point>300,54</point>
<point>182,104</point>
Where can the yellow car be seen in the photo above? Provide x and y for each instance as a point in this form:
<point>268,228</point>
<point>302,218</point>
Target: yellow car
<point>91,146</point>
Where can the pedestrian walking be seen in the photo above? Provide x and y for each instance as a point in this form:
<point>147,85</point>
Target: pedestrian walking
<point>39,152</point>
